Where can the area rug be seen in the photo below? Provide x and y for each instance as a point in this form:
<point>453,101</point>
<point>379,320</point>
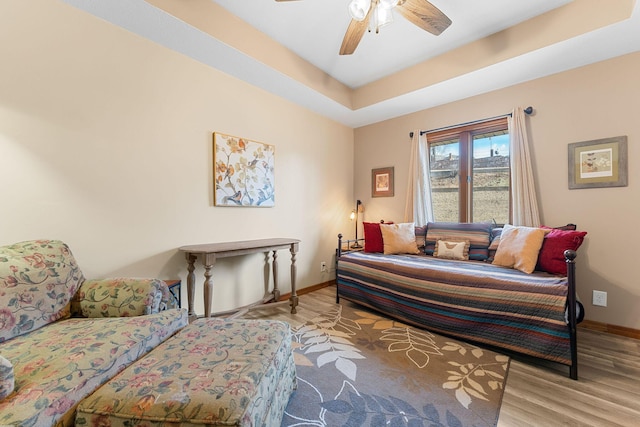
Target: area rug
<point>358,368</point>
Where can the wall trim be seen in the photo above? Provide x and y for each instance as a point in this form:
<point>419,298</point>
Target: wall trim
<point>308,289</point>
<point>611,329</point>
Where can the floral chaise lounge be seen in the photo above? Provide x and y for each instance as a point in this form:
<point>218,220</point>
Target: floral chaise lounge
<point>62,337</point>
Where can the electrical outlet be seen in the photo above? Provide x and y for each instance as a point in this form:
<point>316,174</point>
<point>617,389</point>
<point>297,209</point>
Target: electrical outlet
<point>600,298</point>
<point>323,267</point>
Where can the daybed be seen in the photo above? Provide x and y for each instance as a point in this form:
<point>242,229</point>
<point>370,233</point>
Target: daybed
<point>50,361</point>
<point>472,298</point>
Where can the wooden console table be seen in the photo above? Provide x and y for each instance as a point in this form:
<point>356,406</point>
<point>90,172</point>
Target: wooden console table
<point>212,251</point>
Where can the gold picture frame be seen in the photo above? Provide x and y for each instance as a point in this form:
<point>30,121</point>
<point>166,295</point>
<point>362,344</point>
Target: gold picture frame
<point>598,163</point>
<point>382,182</point>
<point>243,172</point>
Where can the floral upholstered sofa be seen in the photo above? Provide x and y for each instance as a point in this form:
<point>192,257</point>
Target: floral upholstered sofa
<point>62,337</point>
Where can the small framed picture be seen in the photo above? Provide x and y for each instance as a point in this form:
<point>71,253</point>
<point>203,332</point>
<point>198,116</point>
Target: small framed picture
<point>382,182</point>
<point>598,163</point>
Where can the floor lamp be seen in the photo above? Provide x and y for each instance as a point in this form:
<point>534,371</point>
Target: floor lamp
<point>354,215</point>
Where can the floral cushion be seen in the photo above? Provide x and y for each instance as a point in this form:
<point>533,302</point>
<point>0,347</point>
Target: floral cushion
<point>214,372</point>
<point>37,280</point>
<point>122,298</point>
<point>7,382</point>
<point>57,366</point>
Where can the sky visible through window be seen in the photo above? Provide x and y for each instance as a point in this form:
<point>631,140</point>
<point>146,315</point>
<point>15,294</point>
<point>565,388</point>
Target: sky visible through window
<point>481,147</point>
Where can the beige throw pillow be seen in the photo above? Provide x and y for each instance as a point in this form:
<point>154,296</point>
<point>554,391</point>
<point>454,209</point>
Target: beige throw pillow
<point>452,249</point>
<point>399,238</point>
<point>519,247</point>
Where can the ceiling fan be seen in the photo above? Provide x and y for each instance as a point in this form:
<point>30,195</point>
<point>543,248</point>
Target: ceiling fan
<point>373,14</point>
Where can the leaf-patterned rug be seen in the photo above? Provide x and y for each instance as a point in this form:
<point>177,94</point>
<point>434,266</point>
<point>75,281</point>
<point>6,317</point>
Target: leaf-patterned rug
<point>358,368</point>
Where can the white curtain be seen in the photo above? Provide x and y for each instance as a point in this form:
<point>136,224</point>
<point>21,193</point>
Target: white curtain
<point>418,207</point>
<point>523,189</point>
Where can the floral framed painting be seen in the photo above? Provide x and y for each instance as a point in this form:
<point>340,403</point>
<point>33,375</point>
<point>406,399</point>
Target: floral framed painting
<point>382,182</point>
<point>598,163</point>
<point>243,172</point>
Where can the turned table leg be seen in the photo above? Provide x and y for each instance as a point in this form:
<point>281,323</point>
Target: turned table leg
<point>209,260</point>
<point>294,270</point>
<point>276,291</point>
<point>191,283</point>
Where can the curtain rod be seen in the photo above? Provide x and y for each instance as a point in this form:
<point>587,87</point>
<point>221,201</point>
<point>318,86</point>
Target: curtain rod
<point>528,111</point>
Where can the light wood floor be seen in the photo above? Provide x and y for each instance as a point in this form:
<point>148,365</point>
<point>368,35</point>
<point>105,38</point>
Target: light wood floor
<point>537,393</point>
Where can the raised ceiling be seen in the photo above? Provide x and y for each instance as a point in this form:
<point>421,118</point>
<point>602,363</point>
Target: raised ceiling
<point>313,30</point>
<point>291,48</point>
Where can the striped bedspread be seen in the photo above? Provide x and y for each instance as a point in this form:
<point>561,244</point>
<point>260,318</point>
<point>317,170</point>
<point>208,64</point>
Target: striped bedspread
<point>471,300</point>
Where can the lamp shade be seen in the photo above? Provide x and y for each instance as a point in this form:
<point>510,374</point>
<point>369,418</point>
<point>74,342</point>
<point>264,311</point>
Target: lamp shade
<point>354,215</point>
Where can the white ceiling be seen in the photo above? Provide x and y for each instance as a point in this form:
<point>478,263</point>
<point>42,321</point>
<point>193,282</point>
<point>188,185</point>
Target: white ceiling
<point>313,29</point>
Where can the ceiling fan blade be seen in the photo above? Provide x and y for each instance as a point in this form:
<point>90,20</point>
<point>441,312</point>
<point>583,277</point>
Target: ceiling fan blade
<point>424,15</point>
<point>354,34</point>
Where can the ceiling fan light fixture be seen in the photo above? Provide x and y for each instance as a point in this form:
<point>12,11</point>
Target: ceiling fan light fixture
<point>384,16</point>
<point>388,4</point>
<point>373,14</point>
<point>358,9</point>
<point>380,16</point>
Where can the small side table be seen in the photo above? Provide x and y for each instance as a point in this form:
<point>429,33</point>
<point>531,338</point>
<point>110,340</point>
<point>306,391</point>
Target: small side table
<point>209,253</point>
<point>175,287</point>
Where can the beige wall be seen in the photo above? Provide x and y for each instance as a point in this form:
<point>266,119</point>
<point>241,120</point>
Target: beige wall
<point>106,143</point>
<point>592,102</point>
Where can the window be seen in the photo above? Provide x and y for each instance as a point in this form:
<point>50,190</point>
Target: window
<point>470,172</point>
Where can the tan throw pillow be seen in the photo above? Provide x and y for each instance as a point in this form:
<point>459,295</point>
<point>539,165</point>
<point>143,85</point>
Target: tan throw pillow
<point>519,247</point>
<point>399,238</point>
<point>452,249</point>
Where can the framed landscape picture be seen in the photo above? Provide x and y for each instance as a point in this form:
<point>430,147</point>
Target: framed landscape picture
<point>382,182</point>
<point>243,172</point>
<point>598,163</point>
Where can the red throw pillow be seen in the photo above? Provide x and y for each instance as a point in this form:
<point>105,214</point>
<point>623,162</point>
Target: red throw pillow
<point>373,241</point>
<point>372,237</point>
<point>551,257</point>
